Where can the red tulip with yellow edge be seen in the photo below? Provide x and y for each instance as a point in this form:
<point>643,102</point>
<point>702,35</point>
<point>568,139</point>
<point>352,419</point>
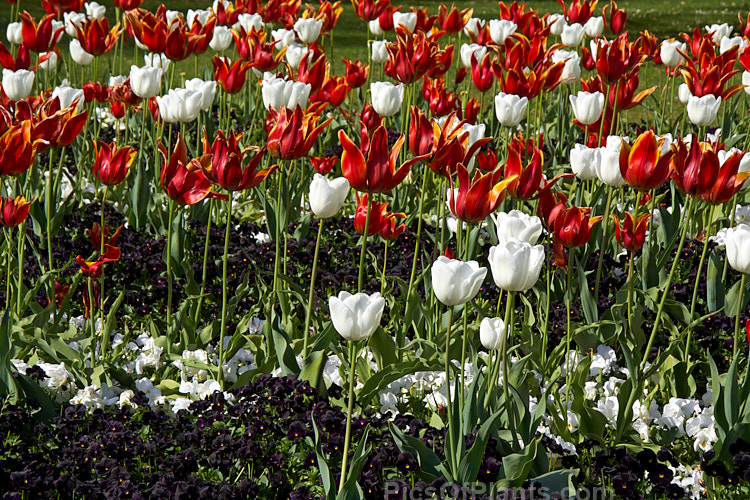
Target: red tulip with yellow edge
<point>112,164</point>
<point>225,168</point>
<point>632,235</point>
<point>182,179</point>
<point>13,211</point>
<point>293,133</point>
<point>644,165</point>
<point>477,198</point>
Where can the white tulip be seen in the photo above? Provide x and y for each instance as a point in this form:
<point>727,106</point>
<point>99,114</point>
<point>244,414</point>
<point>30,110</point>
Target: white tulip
<point>386,98</point>
<point>587,106</point>
<point>95,10</point>
<point>48,61</point>
<point>474,25</point>
<point>200,15</point>
<point>179,105</point>
<point>67,95</point>
<point>583,161</point>
<point>738,248</point>
<point>728,42</point>
<point>327,196</point>
<point>572,70</point>
<point>406,19</point>
<point>516,264</point>
<point>456,282</point>
<point>278,92</point>
<point>683,93</point>
<point>500,29</point>
<point>222,39</point>
<point>510,109</point>
<point>492,333</point>
<point>206,89</point>
<point>294,54</point>
<point>379,52</point>
<point>375,28</point>
<point>71,20</point>
<point>557,23</point>
<point>746,81</point>
<point>467,50</point>
<point>608,168</point>
<point>249,22</point>
<point>157,61</point>
<point>282,37</point>
<point>14,33</point>
<point>308,29</point>
<point>668,52</point>
<point>572,35</point>
<point>719,31</point>
<point>518,225</point>
<point>702,111</point>
<point>145,82</point>
<point>356,317</point>
<point>594,26</point>
<point>17,84</point>
<point>79,56</point>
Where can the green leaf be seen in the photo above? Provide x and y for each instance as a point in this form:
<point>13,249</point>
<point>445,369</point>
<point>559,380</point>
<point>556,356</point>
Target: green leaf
<point>381,379</point>
<point>352,490</point>
<point>714,284</point>
<point>590,310</point>
<point>517,466</point>
<point>430,467</point>
<point>329,481</point>
<point>472,461</point>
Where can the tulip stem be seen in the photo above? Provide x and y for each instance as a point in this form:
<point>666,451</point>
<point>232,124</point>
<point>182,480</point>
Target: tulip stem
<point>311,294</point>
<point>205,262</point>
<point>8,243</point>
<point>350,405</point>
<point>509,409</point>
<point>277,232</point>
<point>169,275</point>
<point>385,265</point>
<point>417,240</point>
<point>101,253</point>
<point>568,332</point>
<point>604,242</point>
<point>21,244</point>
<point>737,321</point>
<point>449,433</point>
<point>697,281</point>
<point>224,294</point>
<point>48,203</point>
<point>630,291</point>
<point>660,309</point>
<point>361,279</point>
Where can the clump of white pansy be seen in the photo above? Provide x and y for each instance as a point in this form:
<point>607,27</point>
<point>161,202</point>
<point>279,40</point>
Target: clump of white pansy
<point>95,397</point>
<point>107,120</point>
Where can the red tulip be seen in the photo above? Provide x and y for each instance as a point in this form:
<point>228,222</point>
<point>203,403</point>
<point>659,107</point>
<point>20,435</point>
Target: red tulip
<point>13,211</point>
<point>440,101</point>
<point>333,91</point>
<point>125,5</point>
<point>578,12</point>
<point>253,47</point>
<point>367,10</point>
<point>373,168</point>
<point>356,73</point>
<point>481,73</point>
<point>323,164</point>
<point>225,168</point>
<point>58,127</point>
<point>697,172</point>
<point>293,132</point>
<point>644,166</point>
<point>382,221</point>
<point>95,36</point>
<point>528,178</point>
<point>476,198</point>
<point>17,149</point>
<point>747,327</point>
<point>60,293</point>
<point>573,226</point>
<point>59,7</point>
<point>423,133</point>
<point>632,236</point>
<point>183,180</point>
<point>94,269</point>
<point>112,164</point>
<point>39,37</point>
<point>452,21</point>
<point>21,61</point>
<point>231,78</point>
<point>96,232</point>
<point>615,21</point>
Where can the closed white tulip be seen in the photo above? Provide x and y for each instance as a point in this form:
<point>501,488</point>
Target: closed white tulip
<point>294,54</point>
<point>356,317</point>
<point>308,29</point>
<point>67,95</point>
<point>222,39</point>
<point>587,106</point>
<point>277,92</point>
<point>683,93</point>
<point>474,25</point>
<point>48,61</point>
<point>594,26</point>
<point>282,37</point>
<point>492,333</point>
<point>95,10</point>
<point>156,61</point>
<point>145,82</point>
<point>327,196</point>
<point>456,282</point>
<point>702,111</point>
<point>472,48</point>
<point>572,35</point>
<point>510,109</point>
<point>738,248</point>
<point>375,28</point>
<point>733,41</point>
<point>500,29</point>
<point>249,22</point>
<point>608,168</point>
<point>556,23</point>
<point>518,225</point>
<point>17,84</point>
<point>746,81</point>
<point>668,52</point>
<point>14,33</point>
<point>386,98</point>
<point>206,89</point>
<point>179,105</point>
<point>379,52</point>
<point>406,19</point>
<point>71,20</point>
<point>572,69</point>
<point>516,264</point>
<point>79,56</point>
<point>583,161</point>
<point>719,31</point>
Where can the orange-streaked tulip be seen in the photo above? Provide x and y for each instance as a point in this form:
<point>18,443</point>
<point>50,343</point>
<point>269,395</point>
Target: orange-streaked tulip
<point>17,149</point>
<point>20,61</point>
<point>14,211</point>
<point>373,168</point>
<point>94,269</point>
<point>112,164</point>
<point>643,165</point>
<point>60,293</point>
<point>615,20</point>
<point>125,5</point>
<point>225,168</point>
<point>573,226</point>
<point>182,179</point>
<point>231,77</point>
<point>323,164</point>
<point>293,132</point>
<point>452,20</point>
<point>253,47</point>
<point>477,198</point>
<point>481,73</point>
<point>367,10</point>
<point>95,36</point>
<point>632,235</point>
<point>96,232</point>
<point>39,37</point>
<point>58,127</point>
<point>356,73</point>
<point>382,222</point>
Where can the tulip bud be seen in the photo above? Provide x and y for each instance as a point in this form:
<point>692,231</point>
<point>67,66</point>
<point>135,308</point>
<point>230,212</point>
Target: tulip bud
<point>145,82</point>
<point>79,56</point>
<point>683,93</point>
<point>375,28</point>
<point>738,248</point>
<point>455,282</point>
<point>746,81</point>
<point>594,27</point>
<point>179,105</point>
<point>492,333</point>
<point>668,52</point>
<point>572,35</point>
<point>557,23</point>
<point>406,19</point>
<point>379,52</point>
<point>206,89</point>
<point>356,317</point>
<point>308,29</point>
<point>608,168</point>
<point>516,264</point>
<point>583,161</point>
<point>587,106</point>
<point>518,225</point>
<point>386,98</point>
<point>510,109</point>
<point>13,211</point>
<point>327,196</point>
<point>14,33</point>
<point>501,29</point>
<point>572,69</point>
<point>222,39</point>
<point>17,84</point>
<point>702,111</point>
